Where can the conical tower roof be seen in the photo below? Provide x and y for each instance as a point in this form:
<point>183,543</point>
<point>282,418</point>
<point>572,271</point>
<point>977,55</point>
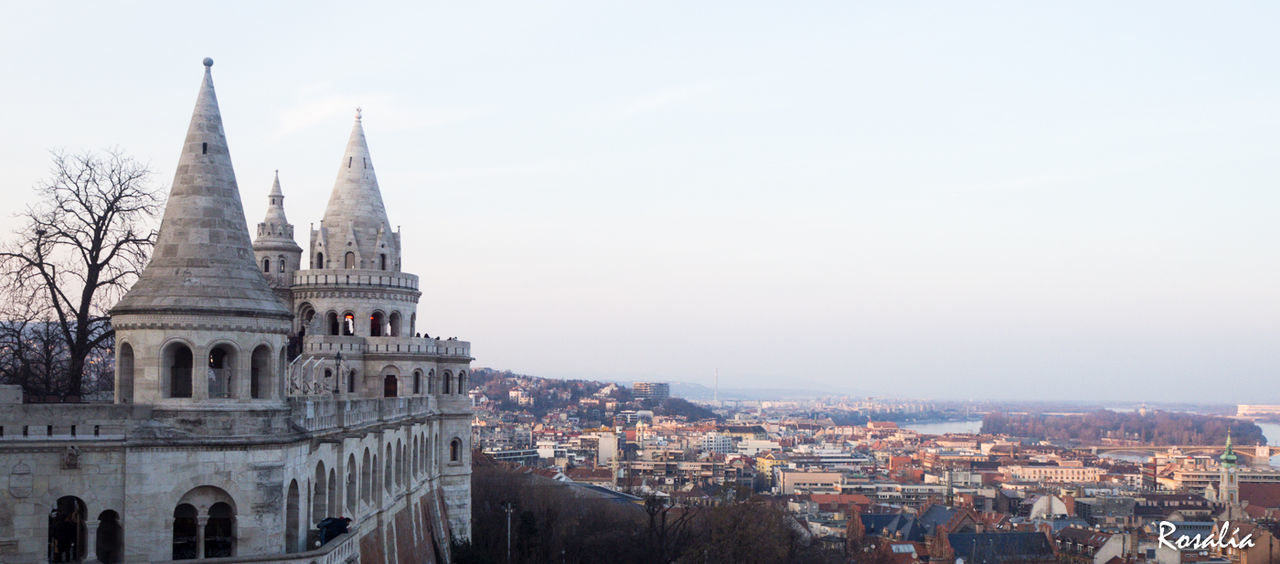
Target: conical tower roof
<point>355,208</point>
<point>203,261</point>
<point>275,203</point>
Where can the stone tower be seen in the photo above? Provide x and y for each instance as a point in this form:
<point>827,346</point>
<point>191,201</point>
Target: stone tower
<point>274,248</point>
<point>201,324</point>
<point>355,233</point>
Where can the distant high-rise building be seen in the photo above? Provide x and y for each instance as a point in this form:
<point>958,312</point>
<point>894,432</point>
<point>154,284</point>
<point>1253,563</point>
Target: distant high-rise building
<point>656,391</point>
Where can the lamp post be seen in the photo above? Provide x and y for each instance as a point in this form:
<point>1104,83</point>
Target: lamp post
<point>337,377</point>
<point>509,508</point>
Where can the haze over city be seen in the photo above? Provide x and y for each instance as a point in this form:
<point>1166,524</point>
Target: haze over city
<point>968,201</point>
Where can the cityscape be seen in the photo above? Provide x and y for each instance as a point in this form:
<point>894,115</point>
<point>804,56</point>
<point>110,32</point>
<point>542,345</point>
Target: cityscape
<point>868,283</point>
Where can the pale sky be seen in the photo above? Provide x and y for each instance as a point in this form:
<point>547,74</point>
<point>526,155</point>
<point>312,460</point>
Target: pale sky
<point>967,200</point>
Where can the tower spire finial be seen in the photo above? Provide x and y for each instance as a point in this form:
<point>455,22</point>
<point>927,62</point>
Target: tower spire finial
<point>208,61</point>
<point>358,111</point>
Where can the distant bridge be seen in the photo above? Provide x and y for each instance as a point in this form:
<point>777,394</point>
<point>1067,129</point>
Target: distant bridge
<point>1254,454</point>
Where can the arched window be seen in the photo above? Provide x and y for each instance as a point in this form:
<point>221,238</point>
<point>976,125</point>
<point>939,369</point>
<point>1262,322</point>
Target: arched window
<point>185,533</point>
<point>306,315</point>
<point>219,532</point>
<point>124,373</point>
<point>351,381</point>
<point>393,324</point>
<point>221,373</point>
<point>388,479</point>
<point>348,324</point>
<point>332,321</point>
<point>352,485</point>
<point>389,386</point>
<point>67,532</point>
<point>110,545</point>
<point>462,382</point>
<point>260,373</point>
<point>375,492</point>
<point>366,477</point>
<point>280,263</point>
<point>219,524</point>
<point>413,324</point>
<point>455,450</point>
<point>417,382</point>
<point>376,324</point>
<point>349,260</point>
<point>319,260</point>
<point>291,518</point>
<point>266,264</point>
<point>431,382</point>
<point>179,363</point>
<point>402,464</point>
<point>382,261</point>
<point>445,382</point>
<point>320,497</point>
<point>331,498</point>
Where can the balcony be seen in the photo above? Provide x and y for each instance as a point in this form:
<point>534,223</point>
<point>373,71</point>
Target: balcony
<point>328,277</point>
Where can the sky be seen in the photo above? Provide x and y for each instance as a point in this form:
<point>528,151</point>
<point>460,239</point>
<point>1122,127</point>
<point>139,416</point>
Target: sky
<point>961,200</point>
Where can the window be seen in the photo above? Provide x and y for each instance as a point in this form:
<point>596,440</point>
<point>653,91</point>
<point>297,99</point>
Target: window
<point>350,260</point>
<point>179,363</point>
<point>455,448</point>
<point>383,261</point>
<point>266,264</point>
<point>319,260</point>
<point>280,262</point>
<point>204,148</point>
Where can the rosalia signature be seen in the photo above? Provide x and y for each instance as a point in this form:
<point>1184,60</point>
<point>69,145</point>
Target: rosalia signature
<point>1196,542</point>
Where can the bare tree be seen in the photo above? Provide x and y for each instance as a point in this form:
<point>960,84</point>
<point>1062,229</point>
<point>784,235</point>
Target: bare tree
<point>74,254</point>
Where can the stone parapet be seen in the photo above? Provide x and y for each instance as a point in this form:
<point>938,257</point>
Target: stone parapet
<point>345,278</point>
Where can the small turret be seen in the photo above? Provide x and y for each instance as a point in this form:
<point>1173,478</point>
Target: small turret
<point>274,248</point>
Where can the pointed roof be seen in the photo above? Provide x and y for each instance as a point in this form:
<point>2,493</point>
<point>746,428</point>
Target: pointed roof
<point>203,261</point>
<point>356,201</point>
<point>275,204</point>
<point>275,232</point>
<point>1229,456</point>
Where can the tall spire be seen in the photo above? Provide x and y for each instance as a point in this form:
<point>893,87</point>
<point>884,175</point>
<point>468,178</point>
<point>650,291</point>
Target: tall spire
<point>203,261</point>
<point>1229,455</point>
<point>275,204</point>
<point>355,219</point>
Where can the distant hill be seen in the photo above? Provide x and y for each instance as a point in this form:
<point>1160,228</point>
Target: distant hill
<point>698,392</point>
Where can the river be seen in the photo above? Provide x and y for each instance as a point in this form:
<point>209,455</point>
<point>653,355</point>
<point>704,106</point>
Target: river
<point>1269,430</point>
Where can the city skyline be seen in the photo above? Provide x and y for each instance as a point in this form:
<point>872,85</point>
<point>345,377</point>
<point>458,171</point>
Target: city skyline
<point>997,201</point>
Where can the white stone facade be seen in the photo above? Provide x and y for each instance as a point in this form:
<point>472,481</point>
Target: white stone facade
<point>243,415</point>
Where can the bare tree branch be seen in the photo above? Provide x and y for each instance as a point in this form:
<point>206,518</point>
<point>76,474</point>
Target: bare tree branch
<point>75,253</point>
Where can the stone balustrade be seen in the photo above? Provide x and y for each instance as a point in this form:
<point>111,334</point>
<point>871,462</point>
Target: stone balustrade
<point>348,344</point>
<point>320,278</point>
<point>342,549</point>
<point>324,414</point>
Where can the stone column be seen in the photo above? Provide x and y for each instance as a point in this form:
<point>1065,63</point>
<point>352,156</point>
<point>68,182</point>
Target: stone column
<point>201,521</point>
<point>200,373</point>
<point>90,541</point>
<point>243,378</point>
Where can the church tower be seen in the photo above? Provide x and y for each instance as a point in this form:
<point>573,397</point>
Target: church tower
<point>201,324</point>
<point>274,248</point>
<point>1228,482</point>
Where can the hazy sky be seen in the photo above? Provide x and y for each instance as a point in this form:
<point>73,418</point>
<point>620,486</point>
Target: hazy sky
<point>948,199</point>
